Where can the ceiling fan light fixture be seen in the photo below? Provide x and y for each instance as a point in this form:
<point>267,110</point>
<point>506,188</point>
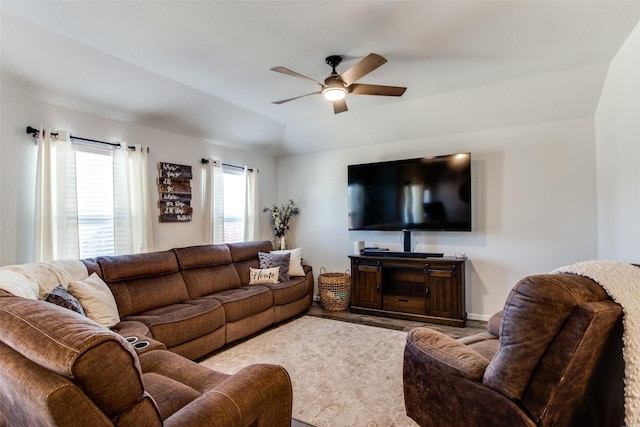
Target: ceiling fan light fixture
<point>334,93</point>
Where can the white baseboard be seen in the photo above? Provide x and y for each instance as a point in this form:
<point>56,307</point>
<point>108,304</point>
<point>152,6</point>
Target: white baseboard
<point>482,317</point>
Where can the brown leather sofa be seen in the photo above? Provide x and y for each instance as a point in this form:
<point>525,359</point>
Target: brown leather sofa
<point>196,299</point>
<point>552,357</point>
<point>60,368</point>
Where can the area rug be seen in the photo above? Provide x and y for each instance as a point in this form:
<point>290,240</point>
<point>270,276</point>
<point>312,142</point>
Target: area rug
<point>343,374</point>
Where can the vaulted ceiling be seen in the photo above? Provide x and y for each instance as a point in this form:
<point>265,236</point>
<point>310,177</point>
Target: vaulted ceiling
<point>202,68</point>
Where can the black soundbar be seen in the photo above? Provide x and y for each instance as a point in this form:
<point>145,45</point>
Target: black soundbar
<point>389,254</point>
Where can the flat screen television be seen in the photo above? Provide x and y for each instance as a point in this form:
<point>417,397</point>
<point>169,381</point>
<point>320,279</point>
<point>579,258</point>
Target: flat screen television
<point>429,193</point>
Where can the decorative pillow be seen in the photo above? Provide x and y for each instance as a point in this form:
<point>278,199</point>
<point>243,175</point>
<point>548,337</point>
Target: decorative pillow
<point>265,275</point>
<point>268,260</point>
<point>295,262</point>
<point>97,300</point>
<point>60,296</point>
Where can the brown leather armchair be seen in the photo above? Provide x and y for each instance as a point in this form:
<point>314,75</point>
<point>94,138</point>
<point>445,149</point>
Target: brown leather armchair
<point>552,357</point>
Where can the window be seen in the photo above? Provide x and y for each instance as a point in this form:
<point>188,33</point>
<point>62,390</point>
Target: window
<point>94,178</point>
<point>91,199</point>
<point>234,204</point>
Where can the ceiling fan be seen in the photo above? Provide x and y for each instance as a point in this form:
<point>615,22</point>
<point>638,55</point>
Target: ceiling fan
<point>336,87</point>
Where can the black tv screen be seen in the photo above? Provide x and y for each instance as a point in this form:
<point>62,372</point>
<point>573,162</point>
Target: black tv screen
<point>429,193</point>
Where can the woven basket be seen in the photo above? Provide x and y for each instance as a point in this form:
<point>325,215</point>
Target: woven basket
<point>334,290</point>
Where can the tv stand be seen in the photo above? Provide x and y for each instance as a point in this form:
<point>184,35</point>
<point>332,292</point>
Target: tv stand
<point>426,289</point>
<point>386,253</point>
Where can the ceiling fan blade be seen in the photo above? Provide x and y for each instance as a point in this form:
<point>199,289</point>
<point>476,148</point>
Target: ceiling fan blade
<point>365,89</point>
<point>362,68</point>
<point>289,72</point>
<point>282,101</point>
<point>340,106</point>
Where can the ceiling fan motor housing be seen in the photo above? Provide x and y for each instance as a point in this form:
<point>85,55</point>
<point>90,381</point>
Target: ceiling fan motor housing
<point>333,61</point>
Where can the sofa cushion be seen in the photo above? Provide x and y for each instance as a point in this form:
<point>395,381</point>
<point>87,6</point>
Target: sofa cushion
<point>60,296</point>
<point>97,300</point>
<point>244,301</point>
<point>289,291</point>
<point>269,260</point>
<point>452,355</point>
<point>178,323</point>
<point>140,295</point>
<point>202,256</point>
<point>125,267</point>
<point>142,282</point>
<point>207,269</point>
<point>245,256</point>
<point>244,251</point>
<point>75,348</point>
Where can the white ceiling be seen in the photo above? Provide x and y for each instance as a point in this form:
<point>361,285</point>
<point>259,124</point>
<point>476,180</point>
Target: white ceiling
<point>202,68</point>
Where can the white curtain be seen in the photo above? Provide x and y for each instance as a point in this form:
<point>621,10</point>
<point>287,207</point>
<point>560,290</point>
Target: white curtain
<point>251,213</point>
<point>56,213</point>
<point>132,203</point>
<point>213,203</point>
<point>56,234</point>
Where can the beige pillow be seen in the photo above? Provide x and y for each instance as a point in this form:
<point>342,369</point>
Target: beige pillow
<point>295,261</point>
<point>97,300</point>
<point>263,275</point>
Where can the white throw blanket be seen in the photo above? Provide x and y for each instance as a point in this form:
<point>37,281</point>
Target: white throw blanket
<point>622,282</point>
<point>44,275</point>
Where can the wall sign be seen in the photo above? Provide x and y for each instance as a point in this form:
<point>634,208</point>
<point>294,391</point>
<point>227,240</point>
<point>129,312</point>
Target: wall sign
<point>174,186</point>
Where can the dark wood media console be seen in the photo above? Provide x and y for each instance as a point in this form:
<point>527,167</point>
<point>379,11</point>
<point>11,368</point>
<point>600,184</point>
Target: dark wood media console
<point>422,289</point>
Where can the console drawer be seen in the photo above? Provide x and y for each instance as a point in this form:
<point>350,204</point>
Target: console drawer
<point>403,304</point>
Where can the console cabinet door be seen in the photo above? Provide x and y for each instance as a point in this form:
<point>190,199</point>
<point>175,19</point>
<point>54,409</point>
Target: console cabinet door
<point>366,285</point>
<point>443,290</point>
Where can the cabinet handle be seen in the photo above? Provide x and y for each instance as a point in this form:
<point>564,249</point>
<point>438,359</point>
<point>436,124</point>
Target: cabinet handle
<point>402,300</point>
<point>378,288</point>
<point>426,293</point>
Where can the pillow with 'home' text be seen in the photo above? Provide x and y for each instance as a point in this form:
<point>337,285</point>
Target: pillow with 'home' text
<point>259,276</point>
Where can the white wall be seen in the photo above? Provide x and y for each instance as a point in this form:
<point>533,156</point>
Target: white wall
<point>17,170</point>
<point>617,123</point>
<point>533,198</point>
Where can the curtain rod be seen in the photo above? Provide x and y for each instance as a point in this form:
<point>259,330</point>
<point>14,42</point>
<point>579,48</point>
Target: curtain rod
<point>34,132</point>
<point>205,162</point>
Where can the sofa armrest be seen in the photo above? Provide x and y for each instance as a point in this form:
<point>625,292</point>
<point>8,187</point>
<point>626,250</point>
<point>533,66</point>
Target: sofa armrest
<point>258,395</point>
<point>450,354</point>
<point>190,394</point>
<point>493,326</point>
